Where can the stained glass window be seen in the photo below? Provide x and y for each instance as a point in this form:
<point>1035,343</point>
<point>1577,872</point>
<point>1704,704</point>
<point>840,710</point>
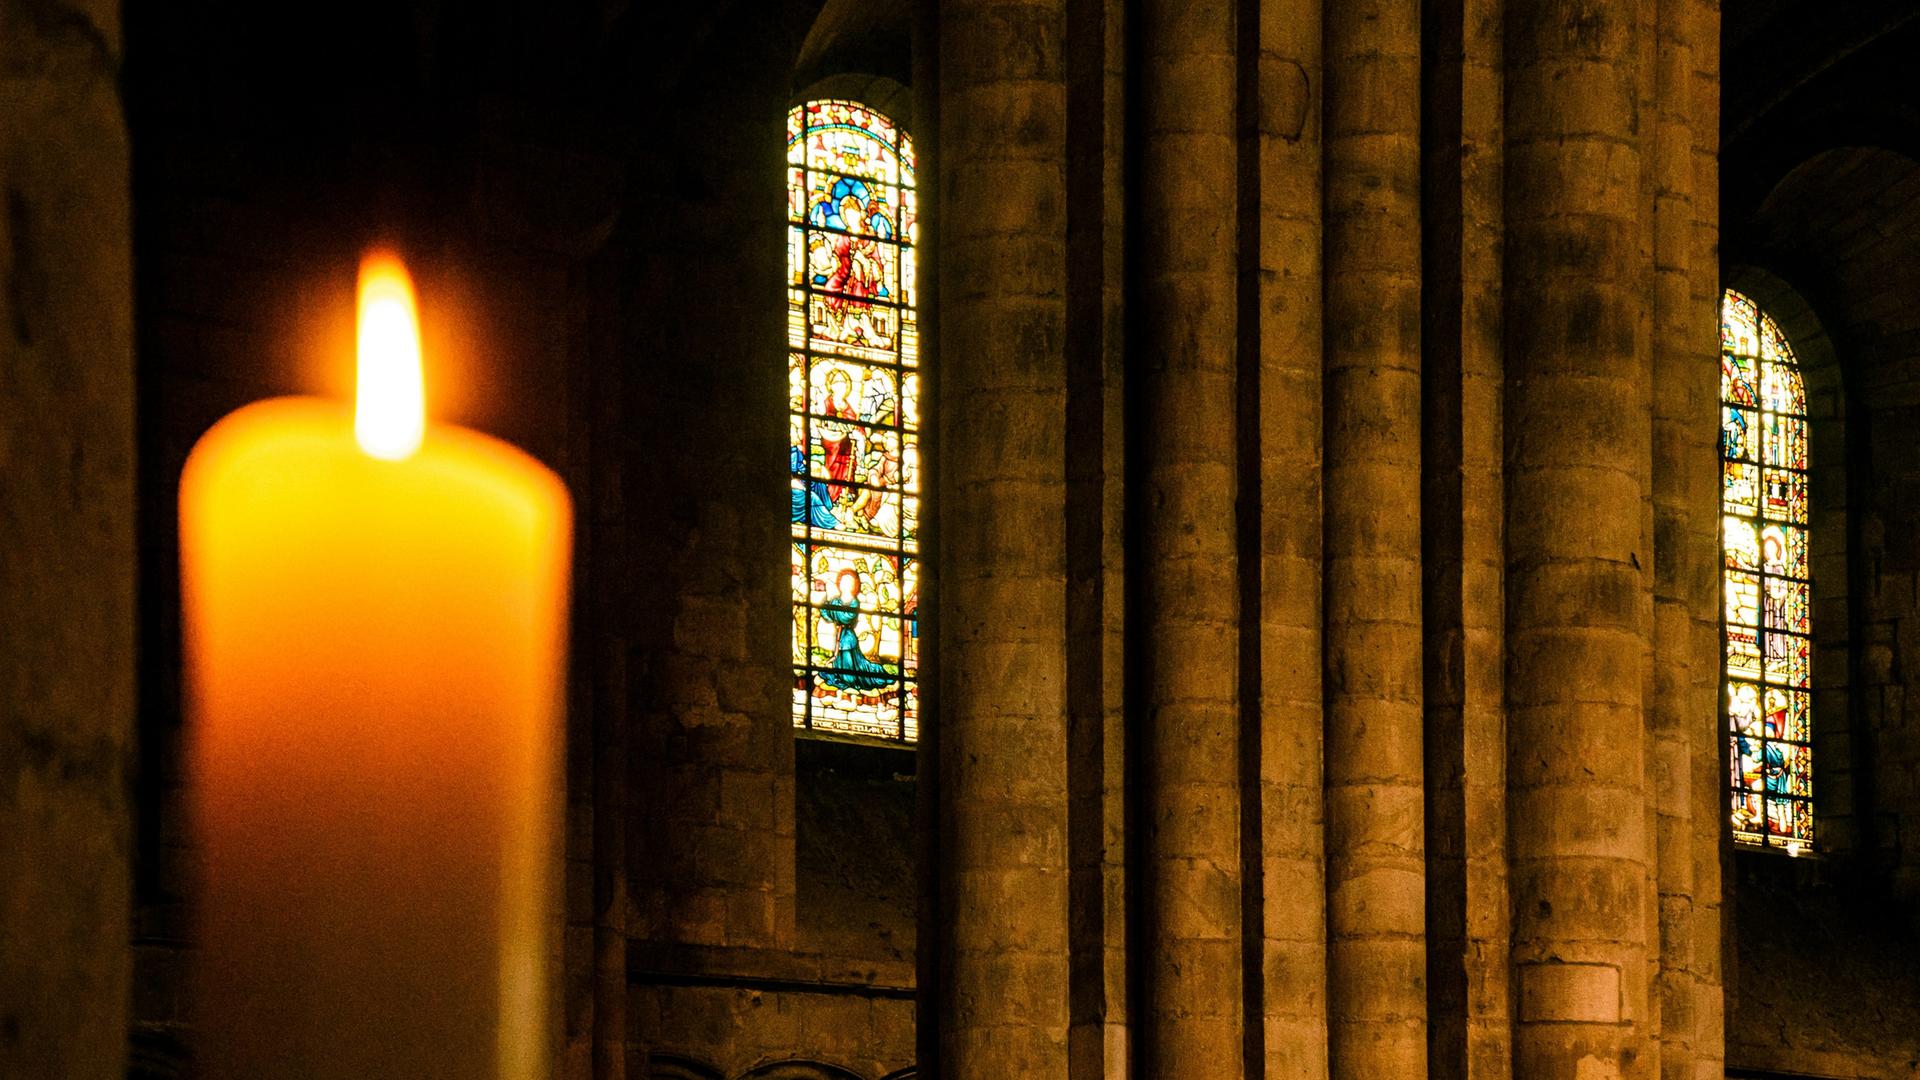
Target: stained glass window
<point>853,389</point>
<point>1767,584</point>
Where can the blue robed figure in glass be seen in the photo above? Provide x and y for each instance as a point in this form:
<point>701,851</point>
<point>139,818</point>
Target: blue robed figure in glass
<point>855,671</point>
<point>810,503</point>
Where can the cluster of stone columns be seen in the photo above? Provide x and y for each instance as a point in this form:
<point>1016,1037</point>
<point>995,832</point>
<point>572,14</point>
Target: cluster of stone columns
<point>1415,556</point>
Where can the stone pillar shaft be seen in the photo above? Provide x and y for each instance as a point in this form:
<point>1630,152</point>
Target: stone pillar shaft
<point>1578,435</point>
<point>1469,1019</point>
<point>1704,725</point>
<point>1376,874</point>
<point>1685,390</point>
<point>1002,764</point>
<point>1186,612</point>
<point>66,544</point>
<point>1288,295</point>
<point>1096,562</point>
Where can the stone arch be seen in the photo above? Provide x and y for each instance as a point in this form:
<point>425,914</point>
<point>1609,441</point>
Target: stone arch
<point>676,1067</point>
<point>799,1069</point>
<point>858,35</point>
<point>881,93</point>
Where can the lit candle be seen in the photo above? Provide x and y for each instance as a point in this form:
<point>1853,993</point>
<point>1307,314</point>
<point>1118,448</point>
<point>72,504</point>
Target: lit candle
<point>375,619</point>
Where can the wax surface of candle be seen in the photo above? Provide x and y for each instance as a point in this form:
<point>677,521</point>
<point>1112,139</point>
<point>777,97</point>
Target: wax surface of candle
<point>375,656</point>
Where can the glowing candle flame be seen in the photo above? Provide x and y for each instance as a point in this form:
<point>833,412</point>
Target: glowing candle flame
<point>390,416</point>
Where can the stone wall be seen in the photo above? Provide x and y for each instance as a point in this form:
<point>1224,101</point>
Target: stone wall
<point>66,543</point>
<point>1823,249</point>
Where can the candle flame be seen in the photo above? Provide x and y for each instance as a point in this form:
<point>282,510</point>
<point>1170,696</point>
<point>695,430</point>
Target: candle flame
<point>389,417</point>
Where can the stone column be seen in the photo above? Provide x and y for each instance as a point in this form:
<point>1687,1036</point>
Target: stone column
<point>1704,724</point>
<point>1685,393</point>
<point>1185,624</point>
<point>66,544</point>
<point>1288,299</point>
<point>1002,375</point>
<point>1469,1020</point>
<point>1096,534</point>
<point>1646,69</point>
<point>1376,878</point>
<point>1578,434</point>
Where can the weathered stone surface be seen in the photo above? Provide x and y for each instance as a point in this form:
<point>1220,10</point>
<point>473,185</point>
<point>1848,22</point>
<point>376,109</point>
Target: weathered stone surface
<point>1190,1016</point>
<point>66,544</point>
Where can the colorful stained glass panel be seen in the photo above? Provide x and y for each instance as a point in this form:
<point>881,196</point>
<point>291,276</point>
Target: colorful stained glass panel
<point>850,390</point>
<point>1766,580</point>
<point>1786,605</point>
<point>1742,543</point>
<point>1739,441</point>
<point>1737,383</point>
<point>1749,764</point>
<point>1799,768</point>
<point>1773,343</point>
<point>910,720</point>
<point>845,453</point>
<point>909,337</point>
<point>1785,441</point>
<point>854,410</point>
<point>1786,495</point>
<point>853,266</point>
<point>1746,815</point>
<point>1743,598</point>
<point>859,328</point>
<point>1781,389</point>
<point>1739,326</point>
<point>1786,715</point>
<point>1743,708</point>
<point>1740,488</point>
<point>852,204</point>
<point>1743,652</point>
<point>1783,551</point>
<point>910,400</point>
<point>843,137</point>
<point>1787,660</point>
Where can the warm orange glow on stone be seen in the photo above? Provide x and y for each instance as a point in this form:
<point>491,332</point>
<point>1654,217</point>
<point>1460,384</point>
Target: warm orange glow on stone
<point>375,658</point>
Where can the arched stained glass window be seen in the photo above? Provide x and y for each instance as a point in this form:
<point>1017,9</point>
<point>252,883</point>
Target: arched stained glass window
<point>1768,585</point>
<point>853,387</point>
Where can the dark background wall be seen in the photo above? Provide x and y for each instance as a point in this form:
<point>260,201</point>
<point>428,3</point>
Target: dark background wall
<point>1821,224</point>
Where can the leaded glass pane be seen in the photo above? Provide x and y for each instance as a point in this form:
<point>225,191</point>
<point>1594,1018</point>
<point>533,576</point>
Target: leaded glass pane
<point>1785,440</point>
<point>1766,581</point>
<point>853,395</point>
<point>1743,652</point>
<point>1782,390</point>
<point>1740,488</point>
<point>1742,544</point>
<point>1783,550</point>
<point>1736,380</point>
<point>1738,439</point>
<point>1743,598</point>
<point>1785,495</point>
